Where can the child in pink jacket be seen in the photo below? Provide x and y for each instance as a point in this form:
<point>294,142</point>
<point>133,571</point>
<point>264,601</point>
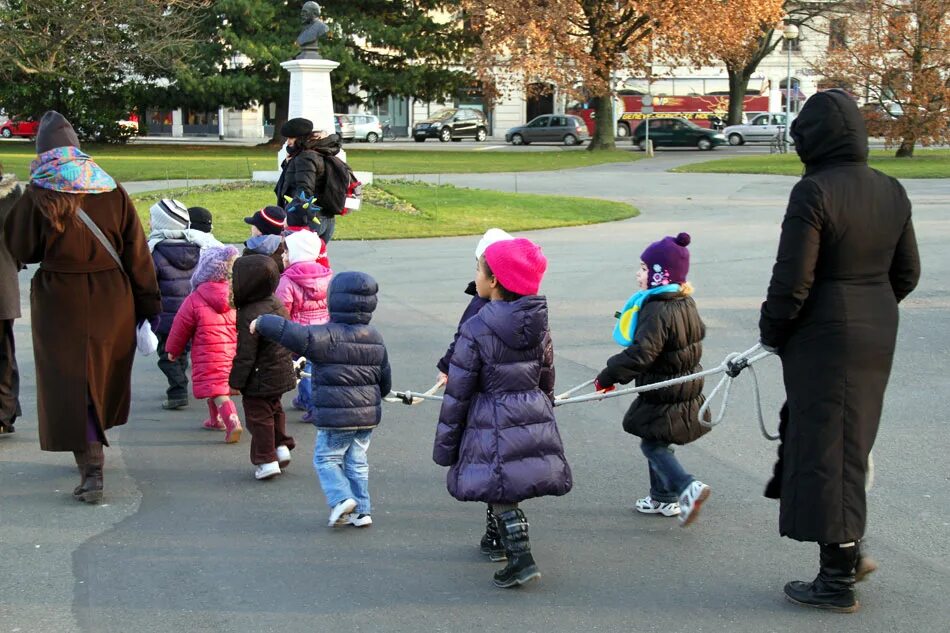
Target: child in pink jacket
<point>303,290</point>
<point>208,320</point>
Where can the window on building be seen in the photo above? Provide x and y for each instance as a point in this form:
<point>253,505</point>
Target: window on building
<point>837,34</point>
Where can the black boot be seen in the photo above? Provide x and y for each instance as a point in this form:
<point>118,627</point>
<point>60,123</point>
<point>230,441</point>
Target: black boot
<point>491,541</point>
<point>81,457</point>
<point>90,491</point>
<point>833,588</point>
<point>513,528</point>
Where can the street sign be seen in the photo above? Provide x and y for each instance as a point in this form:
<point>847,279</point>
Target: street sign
<point>646,100</point>
<point>646,109</point>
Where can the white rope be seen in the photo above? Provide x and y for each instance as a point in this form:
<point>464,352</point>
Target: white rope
<point>731,367</point>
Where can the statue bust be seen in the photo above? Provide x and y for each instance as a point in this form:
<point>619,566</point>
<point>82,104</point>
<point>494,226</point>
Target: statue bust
<point>313,29</point>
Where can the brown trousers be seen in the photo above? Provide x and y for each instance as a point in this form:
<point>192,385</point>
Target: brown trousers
<point>264,418</point>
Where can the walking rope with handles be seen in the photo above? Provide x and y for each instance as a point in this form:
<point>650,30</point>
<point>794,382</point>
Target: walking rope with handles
<point>731,367</point>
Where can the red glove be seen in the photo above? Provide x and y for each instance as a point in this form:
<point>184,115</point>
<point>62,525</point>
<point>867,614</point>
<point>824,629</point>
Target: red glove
<point>598,387</point>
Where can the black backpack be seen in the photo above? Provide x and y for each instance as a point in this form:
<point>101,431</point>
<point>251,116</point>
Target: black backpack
<point>341,191</point>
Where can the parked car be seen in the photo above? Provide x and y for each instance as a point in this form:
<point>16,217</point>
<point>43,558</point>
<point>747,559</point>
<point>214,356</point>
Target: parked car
<point>452,124</point>
<point>24,128</point>
<point>367,127</point>
<point>676,132</point>
<point>345,127</point>
<point>761,128</point>
<point>553,128</point>
<point>878,117</point>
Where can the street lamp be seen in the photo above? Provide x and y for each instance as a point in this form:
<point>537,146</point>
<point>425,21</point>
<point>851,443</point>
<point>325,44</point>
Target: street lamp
<point>790,33</point>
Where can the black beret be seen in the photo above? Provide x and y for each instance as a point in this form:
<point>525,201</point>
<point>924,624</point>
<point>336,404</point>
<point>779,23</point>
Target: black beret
<point>295,128</point>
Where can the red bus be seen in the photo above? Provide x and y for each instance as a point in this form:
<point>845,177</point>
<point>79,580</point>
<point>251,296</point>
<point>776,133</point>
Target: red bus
<point>705,110</point>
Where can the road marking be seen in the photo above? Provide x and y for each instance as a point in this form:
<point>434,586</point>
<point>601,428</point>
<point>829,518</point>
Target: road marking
<point>485,149</point>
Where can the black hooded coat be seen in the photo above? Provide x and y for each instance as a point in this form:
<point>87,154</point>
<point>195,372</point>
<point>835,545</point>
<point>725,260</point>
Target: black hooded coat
<point>847,256</point>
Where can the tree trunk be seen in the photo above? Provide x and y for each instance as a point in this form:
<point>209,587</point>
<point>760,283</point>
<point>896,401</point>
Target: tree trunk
<point>604,130</point>
<point>906,148</point>
<point>738,84</point>
<point>279,119</point>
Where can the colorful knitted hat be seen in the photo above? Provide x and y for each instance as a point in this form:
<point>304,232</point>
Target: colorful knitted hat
<point>517,264</point>
<point>667,260</point>
<point>214,264</point>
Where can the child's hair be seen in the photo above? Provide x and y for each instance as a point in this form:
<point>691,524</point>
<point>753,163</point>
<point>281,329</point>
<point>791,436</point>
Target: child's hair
<point>506,295</point>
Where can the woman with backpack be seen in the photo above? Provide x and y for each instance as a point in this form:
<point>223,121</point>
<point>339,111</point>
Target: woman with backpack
<point>305,170</point>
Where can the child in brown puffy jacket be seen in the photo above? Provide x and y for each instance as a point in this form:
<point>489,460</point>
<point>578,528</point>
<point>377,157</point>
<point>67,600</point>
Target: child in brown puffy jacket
<point>262,370</point>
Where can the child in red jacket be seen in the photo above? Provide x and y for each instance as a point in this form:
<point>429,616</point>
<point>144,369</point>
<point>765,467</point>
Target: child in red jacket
<point>208,320</point>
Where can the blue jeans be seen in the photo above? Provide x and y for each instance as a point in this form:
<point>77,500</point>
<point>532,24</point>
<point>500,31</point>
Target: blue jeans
<point>339,458</point>
<point>668,480</point>
<point>305,388</point>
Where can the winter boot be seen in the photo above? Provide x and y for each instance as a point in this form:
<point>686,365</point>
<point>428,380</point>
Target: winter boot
<point>491,541</point>
<point>213,423</point>
<point>90,491</point>
<point>228,416</point>
<point>81,457</point>
<point>833,588</point>
<point>866,565</point>
<point>513,528</point>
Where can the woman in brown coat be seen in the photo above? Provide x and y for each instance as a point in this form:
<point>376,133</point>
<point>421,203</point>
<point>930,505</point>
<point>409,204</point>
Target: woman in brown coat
<point>84,309</point>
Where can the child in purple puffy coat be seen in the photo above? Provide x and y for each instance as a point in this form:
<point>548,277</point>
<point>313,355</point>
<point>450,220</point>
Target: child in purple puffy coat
<point>496,429</point>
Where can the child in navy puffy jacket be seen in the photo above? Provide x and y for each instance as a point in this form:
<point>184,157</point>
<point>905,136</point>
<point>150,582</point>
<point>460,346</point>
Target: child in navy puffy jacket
<point>350,377</point>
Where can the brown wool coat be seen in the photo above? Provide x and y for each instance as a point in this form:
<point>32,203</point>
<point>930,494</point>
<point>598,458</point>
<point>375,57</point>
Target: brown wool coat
<point>84,311</point>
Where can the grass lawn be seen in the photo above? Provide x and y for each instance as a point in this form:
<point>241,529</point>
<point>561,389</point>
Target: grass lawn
<point>161,162</point>
<point>399,209</point>
<point>926,163</point>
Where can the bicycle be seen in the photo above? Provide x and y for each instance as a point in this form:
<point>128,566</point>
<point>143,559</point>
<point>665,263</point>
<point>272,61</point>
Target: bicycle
<point>388,131</point>
<point>778,144</point>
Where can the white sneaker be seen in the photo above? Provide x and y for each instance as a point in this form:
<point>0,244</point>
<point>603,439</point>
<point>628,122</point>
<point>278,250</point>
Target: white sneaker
<point>361,520</point>
<point>266,471</point>
<point>648,506</point>
<point>283,456</point>
<point>692,500</point>
<point>338,516</point>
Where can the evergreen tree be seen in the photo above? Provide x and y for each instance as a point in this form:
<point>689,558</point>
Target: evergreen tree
<point>404,48</point>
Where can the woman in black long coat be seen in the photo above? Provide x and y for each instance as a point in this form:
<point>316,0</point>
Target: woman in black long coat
<point>846,257</point>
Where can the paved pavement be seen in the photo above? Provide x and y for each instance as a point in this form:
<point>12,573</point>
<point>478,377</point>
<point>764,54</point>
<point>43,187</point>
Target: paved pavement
<point>190,542</point>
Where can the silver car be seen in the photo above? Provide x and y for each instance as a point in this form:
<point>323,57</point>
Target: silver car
<point>345,127</point>
<point>761,128</point>
<point>366,127</point>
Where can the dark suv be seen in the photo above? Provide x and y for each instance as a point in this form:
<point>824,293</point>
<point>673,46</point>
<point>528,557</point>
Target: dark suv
<point>452,124</point>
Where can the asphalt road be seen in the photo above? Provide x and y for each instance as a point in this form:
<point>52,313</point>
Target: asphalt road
<point>189,541</point>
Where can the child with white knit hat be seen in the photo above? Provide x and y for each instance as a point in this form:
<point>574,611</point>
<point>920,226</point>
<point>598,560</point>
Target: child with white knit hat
<point>490,544</point>
<point>303,291</point>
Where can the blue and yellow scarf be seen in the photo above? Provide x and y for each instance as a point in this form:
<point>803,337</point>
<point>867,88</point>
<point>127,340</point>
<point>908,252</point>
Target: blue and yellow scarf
<point>627,318</point>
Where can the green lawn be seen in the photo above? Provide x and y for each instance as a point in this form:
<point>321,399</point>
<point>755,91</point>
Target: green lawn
<point>161,162</point>
<point>925,164</point>
<point>399,209</point>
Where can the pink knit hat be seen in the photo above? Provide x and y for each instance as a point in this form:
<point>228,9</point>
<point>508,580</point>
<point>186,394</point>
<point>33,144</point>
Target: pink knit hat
<point>517,264</point>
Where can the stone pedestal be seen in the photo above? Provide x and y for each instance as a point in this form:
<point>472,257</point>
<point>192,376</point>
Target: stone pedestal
<point>310,95</point>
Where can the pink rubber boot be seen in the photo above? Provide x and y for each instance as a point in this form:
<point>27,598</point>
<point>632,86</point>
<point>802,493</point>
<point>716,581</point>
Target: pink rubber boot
<point>213,423</point>
<point>228,415</point>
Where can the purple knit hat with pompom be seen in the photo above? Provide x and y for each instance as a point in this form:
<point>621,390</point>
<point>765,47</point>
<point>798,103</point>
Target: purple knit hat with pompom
<point>667,260</point>
<point>214,264</point>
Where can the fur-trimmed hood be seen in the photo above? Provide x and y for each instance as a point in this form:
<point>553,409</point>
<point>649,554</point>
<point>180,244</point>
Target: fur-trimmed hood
<point>8,183</point>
